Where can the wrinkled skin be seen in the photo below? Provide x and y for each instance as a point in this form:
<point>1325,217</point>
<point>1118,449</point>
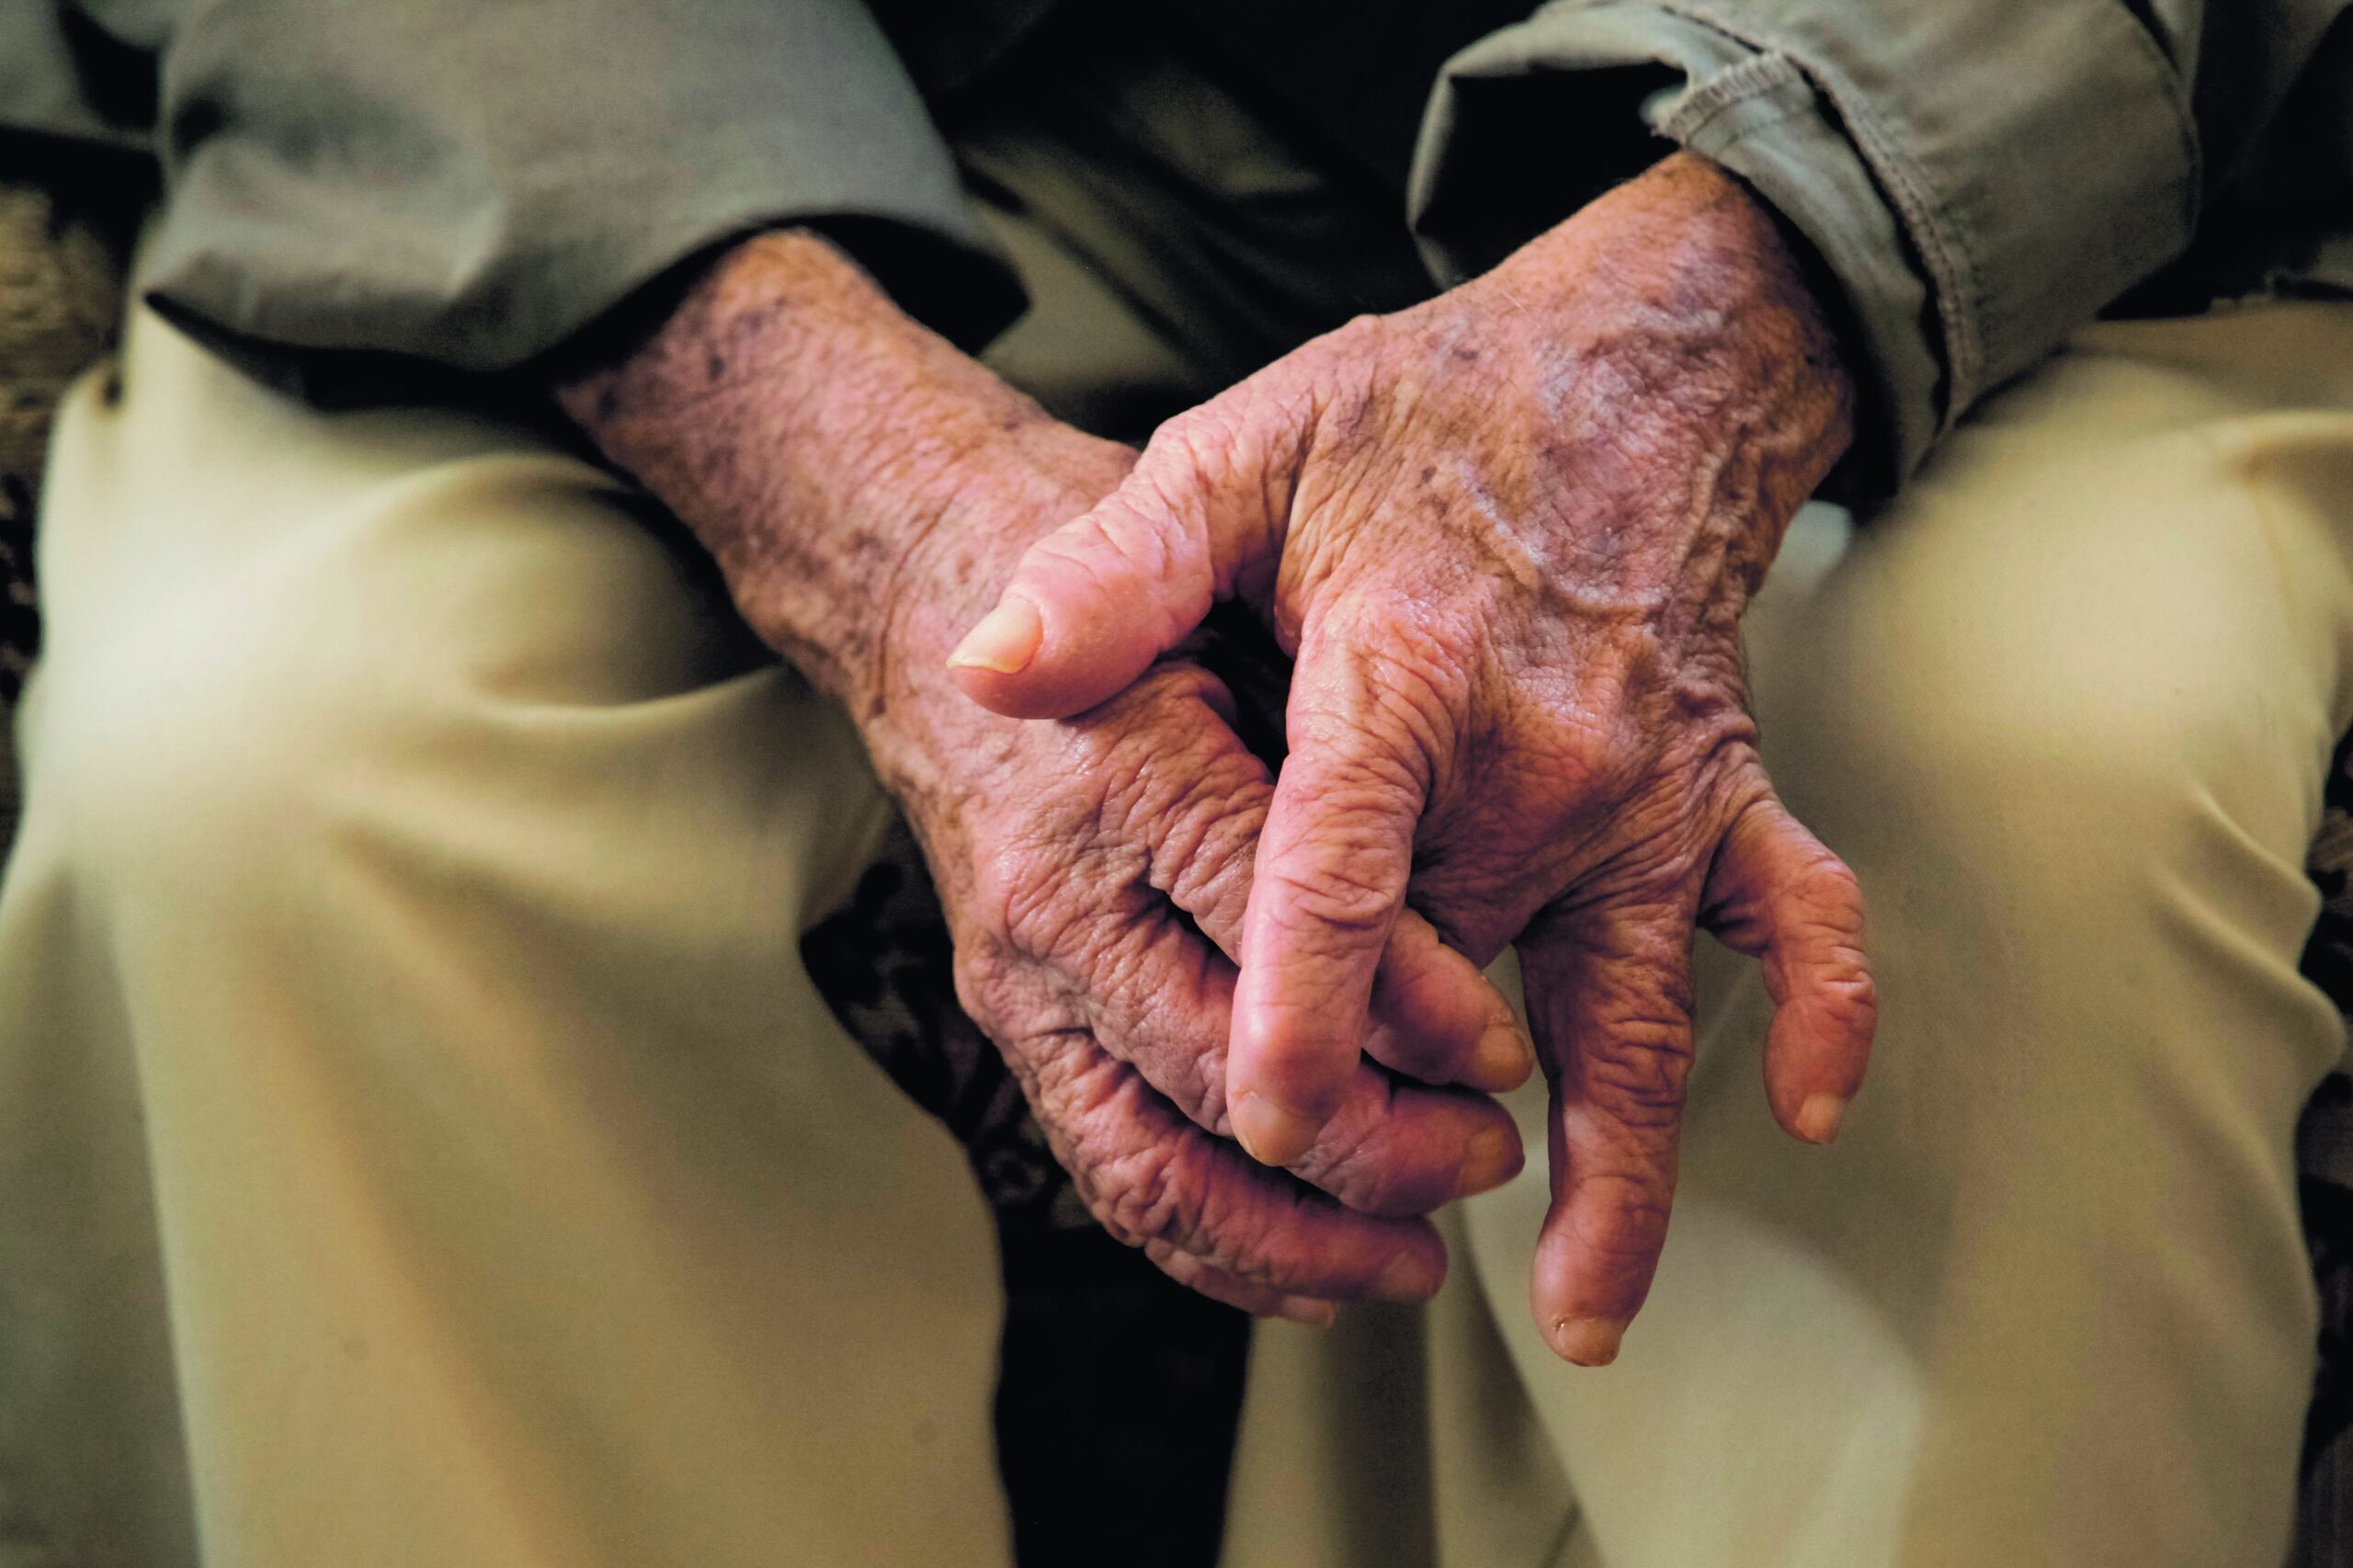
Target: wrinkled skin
<point>863,488</point>
<point>1508,534</point>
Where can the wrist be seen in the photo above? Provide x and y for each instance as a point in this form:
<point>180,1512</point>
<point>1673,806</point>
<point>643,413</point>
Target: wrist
<point>1685,382</point>
<point>808,433</point>
<point>1695,344</point>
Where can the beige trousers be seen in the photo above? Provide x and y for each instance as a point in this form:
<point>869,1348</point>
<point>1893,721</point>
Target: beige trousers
<point>419,1145</point>
<point>2067,709</point>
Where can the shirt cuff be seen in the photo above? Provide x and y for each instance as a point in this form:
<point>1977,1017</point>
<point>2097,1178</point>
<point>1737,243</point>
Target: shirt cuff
<point>1531,122</point>
<point>1979,178</point>
<point>464,189</point>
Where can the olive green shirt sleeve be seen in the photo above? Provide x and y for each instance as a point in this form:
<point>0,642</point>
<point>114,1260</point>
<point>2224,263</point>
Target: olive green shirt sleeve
<point>470,184</point>
<point>1979,176</point>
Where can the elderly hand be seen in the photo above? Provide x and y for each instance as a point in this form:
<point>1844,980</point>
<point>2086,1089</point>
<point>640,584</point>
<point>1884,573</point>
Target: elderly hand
<point>862,485</point>
<point>1508,534</point>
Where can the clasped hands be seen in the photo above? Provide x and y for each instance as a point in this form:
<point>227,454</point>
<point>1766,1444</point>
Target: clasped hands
<point>1504,538</point>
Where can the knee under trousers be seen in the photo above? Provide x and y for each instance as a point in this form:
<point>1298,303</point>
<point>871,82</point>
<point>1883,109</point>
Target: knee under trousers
<point>419,1143</point>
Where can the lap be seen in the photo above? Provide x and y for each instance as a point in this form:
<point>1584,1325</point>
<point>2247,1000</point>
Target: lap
<point>565,1122</point>
<point>2067,707</point>
<point>407,911</point>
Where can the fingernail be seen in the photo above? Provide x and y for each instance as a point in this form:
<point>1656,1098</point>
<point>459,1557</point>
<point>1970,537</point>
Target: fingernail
<point>1589,1342</point>
<point>1307,1310</point>
<point>1818,1119</point>
<point>1492,1159</point>
<point>1502,1058</point>
<point>1273,1133</point>
<point>1406,1278</point>
<point>1006,640</point>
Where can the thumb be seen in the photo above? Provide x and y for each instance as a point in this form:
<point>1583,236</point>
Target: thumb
<point>1092,604</point>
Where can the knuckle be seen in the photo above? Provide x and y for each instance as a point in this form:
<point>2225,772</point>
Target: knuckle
<point>1576,756</point>
<point>1021,891</point>
<point>984,989</point>
<point>1071,910</point>
<point>1345,816</point>
<point>1621,1215</point>
<point>1848,1005</point>
<point>1408,684</point>
<point>1251,1243</point>
<point>1354,1163</point>
<point>1188,445</point>
<point>1208,875</point>
<point>1167,779</point>
<point>1813,880</point>
<point>1133,552</point>
<point>1222,451</point>
<point>1589,755</point>
<point>1073,1090</point>
<point>1006,996</point>
<point>1092,554</point>
<point>1206,443</point>
<point>1421,1051</point>
<point>1116,966</point>
<point>1378,719</point>
<point>1412,655</point>
<point>1121,536</point>
<point>1181,1267</point>
<point>1209,831</point>
<point>1606,757</point>
<point>1637,1072</point>
<point>1152,1191</point>
<point>1371,1185</point>
<point>1335,894</point>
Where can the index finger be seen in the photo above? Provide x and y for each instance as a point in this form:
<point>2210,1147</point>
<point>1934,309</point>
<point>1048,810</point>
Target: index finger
<point>1434,1016</point>
<point>1324,896</point>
